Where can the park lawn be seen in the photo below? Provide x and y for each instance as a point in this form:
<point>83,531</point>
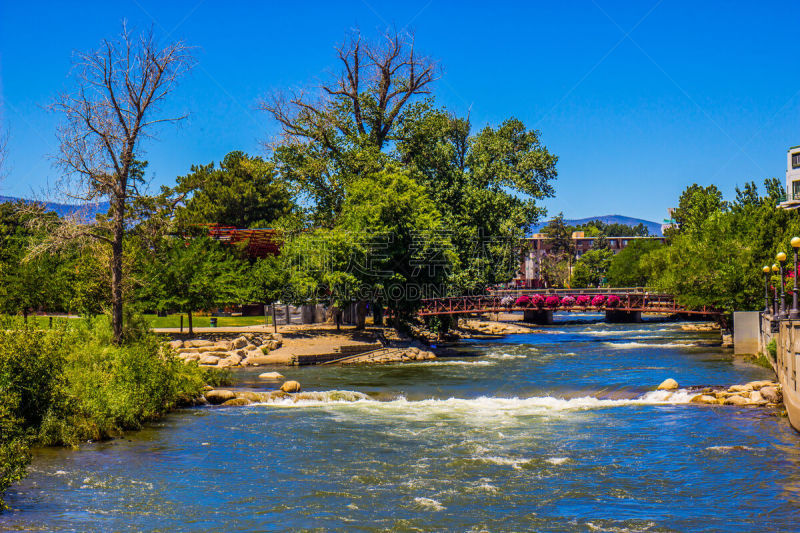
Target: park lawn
<point>174,321</point>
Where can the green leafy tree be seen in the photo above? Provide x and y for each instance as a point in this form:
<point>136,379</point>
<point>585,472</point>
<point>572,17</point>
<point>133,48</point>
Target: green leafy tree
<point>626,269</point>
<point>193,274</point>
<point>590,270</point>
<point>245,192</point>
<point>696,205</point>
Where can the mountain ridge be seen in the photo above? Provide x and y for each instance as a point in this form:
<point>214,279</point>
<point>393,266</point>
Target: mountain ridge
<point>653,227</point>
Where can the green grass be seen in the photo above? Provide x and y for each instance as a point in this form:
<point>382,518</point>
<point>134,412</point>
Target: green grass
<point>174,321</point>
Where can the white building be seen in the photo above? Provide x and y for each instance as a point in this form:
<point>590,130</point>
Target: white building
<point>792,179</point>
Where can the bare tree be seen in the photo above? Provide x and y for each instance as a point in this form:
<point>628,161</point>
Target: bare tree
<point>366,97</point>
<point>119,89</point>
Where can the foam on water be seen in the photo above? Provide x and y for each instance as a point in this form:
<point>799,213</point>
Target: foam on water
<point>484,405</point>
<point>429,503</point>
<point>631,345</point>
<point>502,356</point>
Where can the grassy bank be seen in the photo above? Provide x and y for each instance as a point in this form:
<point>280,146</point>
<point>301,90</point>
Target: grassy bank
<point>68,384</point>
<point>174,321</point>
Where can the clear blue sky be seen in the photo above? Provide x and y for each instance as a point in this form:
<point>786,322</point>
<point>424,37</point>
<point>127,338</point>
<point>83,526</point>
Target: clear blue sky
<point>638,100</point>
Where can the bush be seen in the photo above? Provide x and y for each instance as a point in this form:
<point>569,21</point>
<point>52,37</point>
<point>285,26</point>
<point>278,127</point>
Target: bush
<point>583,300</point>
<point>552,301</point>
<point>568,301</point>
<point>612,301</point>
<point>537,300</point>
<point>31,378</point>
<point>772,349</point>
<point>598,300</point>
<point>61,387</point>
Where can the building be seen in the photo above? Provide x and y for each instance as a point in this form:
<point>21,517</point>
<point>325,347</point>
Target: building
<point>539,247</point>
<point>792,179</point>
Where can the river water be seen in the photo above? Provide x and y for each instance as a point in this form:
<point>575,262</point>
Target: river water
<point>551,431</point>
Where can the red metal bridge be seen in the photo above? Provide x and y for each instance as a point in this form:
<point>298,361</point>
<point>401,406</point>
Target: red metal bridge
<point>630,301</point>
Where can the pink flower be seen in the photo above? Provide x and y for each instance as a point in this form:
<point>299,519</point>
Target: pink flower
<point>552,301</point>
<point>568,301</point>
<point>613,301</point>
<point>522,301</point>
<point>583,300</point>
<point>537,300</point>
<point>598,300</point>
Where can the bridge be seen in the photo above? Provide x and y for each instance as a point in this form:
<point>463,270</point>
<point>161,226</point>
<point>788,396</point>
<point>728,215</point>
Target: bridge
<point>626,306</point>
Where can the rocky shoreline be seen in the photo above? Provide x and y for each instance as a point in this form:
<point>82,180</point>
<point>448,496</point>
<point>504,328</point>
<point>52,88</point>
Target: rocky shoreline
<point>764,393</point>
<point>248,349</point>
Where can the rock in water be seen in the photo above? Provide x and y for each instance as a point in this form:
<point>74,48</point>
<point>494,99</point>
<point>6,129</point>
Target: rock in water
<point>218,396</point>
<point>771,394</point>
<point>736,400</point>
<point>290,386</point>
<point>236,402</point>
<point>668,384</point>
<point>704,398</point>
<point>274,376</point>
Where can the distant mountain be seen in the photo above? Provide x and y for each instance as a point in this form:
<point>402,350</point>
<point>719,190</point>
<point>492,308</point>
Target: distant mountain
<point>653,227</point>
<point>86,212</point>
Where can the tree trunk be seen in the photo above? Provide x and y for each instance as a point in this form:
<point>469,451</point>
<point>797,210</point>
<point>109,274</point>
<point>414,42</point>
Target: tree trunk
<point>25,315</point>
<point>377,313</point>
<point>189,313</point>
<point>361,314</point>
<point>116,269</point>
<point>274,318</point>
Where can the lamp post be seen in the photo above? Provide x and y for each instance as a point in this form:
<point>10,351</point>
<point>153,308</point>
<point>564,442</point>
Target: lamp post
<point>766,271</point>
<point>775,270</point>
<point>781,257</point>
<point>795,312</point>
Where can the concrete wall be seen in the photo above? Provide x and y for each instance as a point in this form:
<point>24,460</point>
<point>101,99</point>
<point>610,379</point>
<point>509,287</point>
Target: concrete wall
<point>746,328</point>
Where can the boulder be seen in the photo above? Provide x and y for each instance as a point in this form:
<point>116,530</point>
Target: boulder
<point>740,388</point>
<point>231,360</point>
<point>668,384</point>
<point>272,376</point>
<point>189,356</point>
<point>758,385</point>
<point>290,386</point>
<point>256,341</point>
<point>704,398</point>
<point>757,398</point>
<point>736,400</point>
<point>277,337</point>
<point>218,396</point>
<point>175,344</point>
<point>208,359</point>
<point>251,396</point>
<point>236,402</point>
<point>771,394</point>
<point>197,343</point>
<point>240,342</point>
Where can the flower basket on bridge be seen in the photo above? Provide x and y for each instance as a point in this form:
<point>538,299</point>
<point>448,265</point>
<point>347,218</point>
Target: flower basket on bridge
<point>598,300</point>
<point>523,301</point>
<point>552,301</point>
<point>537,300</point>
<point>612,301</point>
<point>583,300</point>
<point>507,301</point>
<point>568,301</point>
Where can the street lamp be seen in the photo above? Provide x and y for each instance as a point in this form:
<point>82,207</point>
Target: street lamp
<point>795,313</point>
<point>766,271</point>
<point>781,257</point>
<point>775,270</point>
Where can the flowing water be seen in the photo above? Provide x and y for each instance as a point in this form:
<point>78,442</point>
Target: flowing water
<point>552,431</point>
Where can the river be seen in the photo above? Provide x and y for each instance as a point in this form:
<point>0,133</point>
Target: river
<point>551,431</point>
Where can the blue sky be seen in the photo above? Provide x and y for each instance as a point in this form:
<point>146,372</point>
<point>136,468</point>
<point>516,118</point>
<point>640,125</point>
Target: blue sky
<point>638,100</point>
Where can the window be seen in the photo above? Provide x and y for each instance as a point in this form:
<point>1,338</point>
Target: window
<point>796,160</point>
<point>796,190</point>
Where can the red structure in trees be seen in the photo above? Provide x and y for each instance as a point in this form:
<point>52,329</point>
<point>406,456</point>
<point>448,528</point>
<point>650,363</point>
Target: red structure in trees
<point>259,242</point>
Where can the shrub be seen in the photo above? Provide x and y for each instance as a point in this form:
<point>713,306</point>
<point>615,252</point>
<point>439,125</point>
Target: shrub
<point>772,349</point>
<point>612,301</point>
<point>568,301</point>
<point>552,301</point>
<point>583,300</point>
<point>522,301</point>
<point>31,363</point>
<point>598,300</point>
<point>537,300</point>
